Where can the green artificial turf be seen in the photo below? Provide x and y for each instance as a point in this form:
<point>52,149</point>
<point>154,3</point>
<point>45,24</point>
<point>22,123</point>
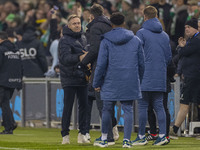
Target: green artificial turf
<point>45,139</point>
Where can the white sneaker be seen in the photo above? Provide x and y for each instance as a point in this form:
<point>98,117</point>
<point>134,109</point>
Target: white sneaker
<point>87,136</point>
<point>82,139</point>
<point>115,133</point>
<point>66,140</point>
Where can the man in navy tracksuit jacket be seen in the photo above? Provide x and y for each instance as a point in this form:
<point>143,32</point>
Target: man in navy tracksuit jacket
<point>189,52</point>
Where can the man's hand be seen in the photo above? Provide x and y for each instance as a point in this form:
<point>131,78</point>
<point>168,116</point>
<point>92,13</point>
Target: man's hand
<point>181,42</point>
<point>89,66</point>
<point>97,89</point>
<point>82,56</point>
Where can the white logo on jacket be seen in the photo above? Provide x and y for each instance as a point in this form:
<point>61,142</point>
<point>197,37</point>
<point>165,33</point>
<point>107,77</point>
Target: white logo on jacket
<point>12,55</point>
<point>28,54</point>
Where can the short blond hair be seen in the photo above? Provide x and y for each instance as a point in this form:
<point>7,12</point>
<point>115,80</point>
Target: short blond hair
<point>150,12</point>
<point>72,17</point>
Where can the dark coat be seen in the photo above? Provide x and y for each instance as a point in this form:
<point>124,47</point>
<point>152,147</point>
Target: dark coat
<point>33,55</point>
<point>10,66</point>
<point>70,48</point>
<point>120,66</point>
<point>190,55</point>
<point>158,54</point>
<point>181,18</point>
<point>96,29</point>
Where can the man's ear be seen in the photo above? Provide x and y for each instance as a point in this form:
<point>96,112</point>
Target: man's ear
<point>91,17</point>
<point>144,18</point>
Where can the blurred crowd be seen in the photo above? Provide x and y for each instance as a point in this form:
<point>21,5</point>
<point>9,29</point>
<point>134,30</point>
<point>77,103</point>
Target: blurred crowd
<point>26,21</point>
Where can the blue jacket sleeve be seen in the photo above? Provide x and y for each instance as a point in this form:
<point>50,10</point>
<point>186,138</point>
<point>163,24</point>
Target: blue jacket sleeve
<point>102,64</point>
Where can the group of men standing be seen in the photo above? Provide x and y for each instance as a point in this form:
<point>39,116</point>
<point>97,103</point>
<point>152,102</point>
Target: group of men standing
<point>125,68</point>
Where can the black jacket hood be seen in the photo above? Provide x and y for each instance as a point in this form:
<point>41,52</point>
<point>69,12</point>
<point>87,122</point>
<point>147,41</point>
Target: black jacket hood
<point>9,45</point>
<point>102,19</point>
<point>29,35</point>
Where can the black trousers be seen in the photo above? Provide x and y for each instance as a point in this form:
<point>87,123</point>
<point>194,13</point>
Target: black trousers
<point>152,117</point>
<point>7,114</point>
<point>69,95</point>
<point>100,108</point>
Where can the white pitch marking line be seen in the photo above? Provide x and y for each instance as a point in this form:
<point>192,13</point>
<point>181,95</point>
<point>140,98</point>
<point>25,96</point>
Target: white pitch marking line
<point>14,148</point>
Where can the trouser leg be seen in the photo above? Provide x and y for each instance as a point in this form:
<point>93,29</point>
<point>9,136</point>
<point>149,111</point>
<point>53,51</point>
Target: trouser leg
<point>142,111</point>
<point>152,119</point>
<point>165,102</point>
<point>7,114</point>
<point>160,112</point>
<point>127,106</point>
<point>82,95</point>
<point>69,94</point>
<point>89,111</point>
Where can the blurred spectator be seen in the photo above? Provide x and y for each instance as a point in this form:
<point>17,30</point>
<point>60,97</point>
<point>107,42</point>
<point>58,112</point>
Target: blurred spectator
<point>11,37</point>
<point>13,21</point>
<point>86,19</point>
<point>55,29</point>
<point>193,10</point>
<point>9,7</point>
<point>179,18</point>
<point>117,6</point>
<point>139,17</point>
<point>32,53</point>
<point>3,24</point>
<point>128,12</point>
<point>164,14</point>
<point>77,9</point>
<point>25,6</point>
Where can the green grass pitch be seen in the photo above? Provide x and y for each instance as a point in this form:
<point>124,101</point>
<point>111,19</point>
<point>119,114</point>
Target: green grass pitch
<point>50,139</point>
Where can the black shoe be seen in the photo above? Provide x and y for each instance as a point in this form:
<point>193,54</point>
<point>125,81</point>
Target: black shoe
<point>150,137</point>
<point>111,142</point>
<point>6,132</point>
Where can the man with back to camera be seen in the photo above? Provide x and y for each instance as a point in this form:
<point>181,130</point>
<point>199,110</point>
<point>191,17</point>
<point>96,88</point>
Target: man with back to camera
<point>98,26</point>
<point>119,71</point>
<point>10,78</point>
<point>32,52</point>
<point>157,52</point>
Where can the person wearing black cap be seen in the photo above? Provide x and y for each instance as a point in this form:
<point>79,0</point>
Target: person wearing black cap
<point>118,74</point>
<point>189,51</point>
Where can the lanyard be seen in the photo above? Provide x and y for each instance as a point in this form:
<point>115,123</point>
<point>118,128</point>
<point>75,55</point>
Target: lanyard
<point>196,34</point>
